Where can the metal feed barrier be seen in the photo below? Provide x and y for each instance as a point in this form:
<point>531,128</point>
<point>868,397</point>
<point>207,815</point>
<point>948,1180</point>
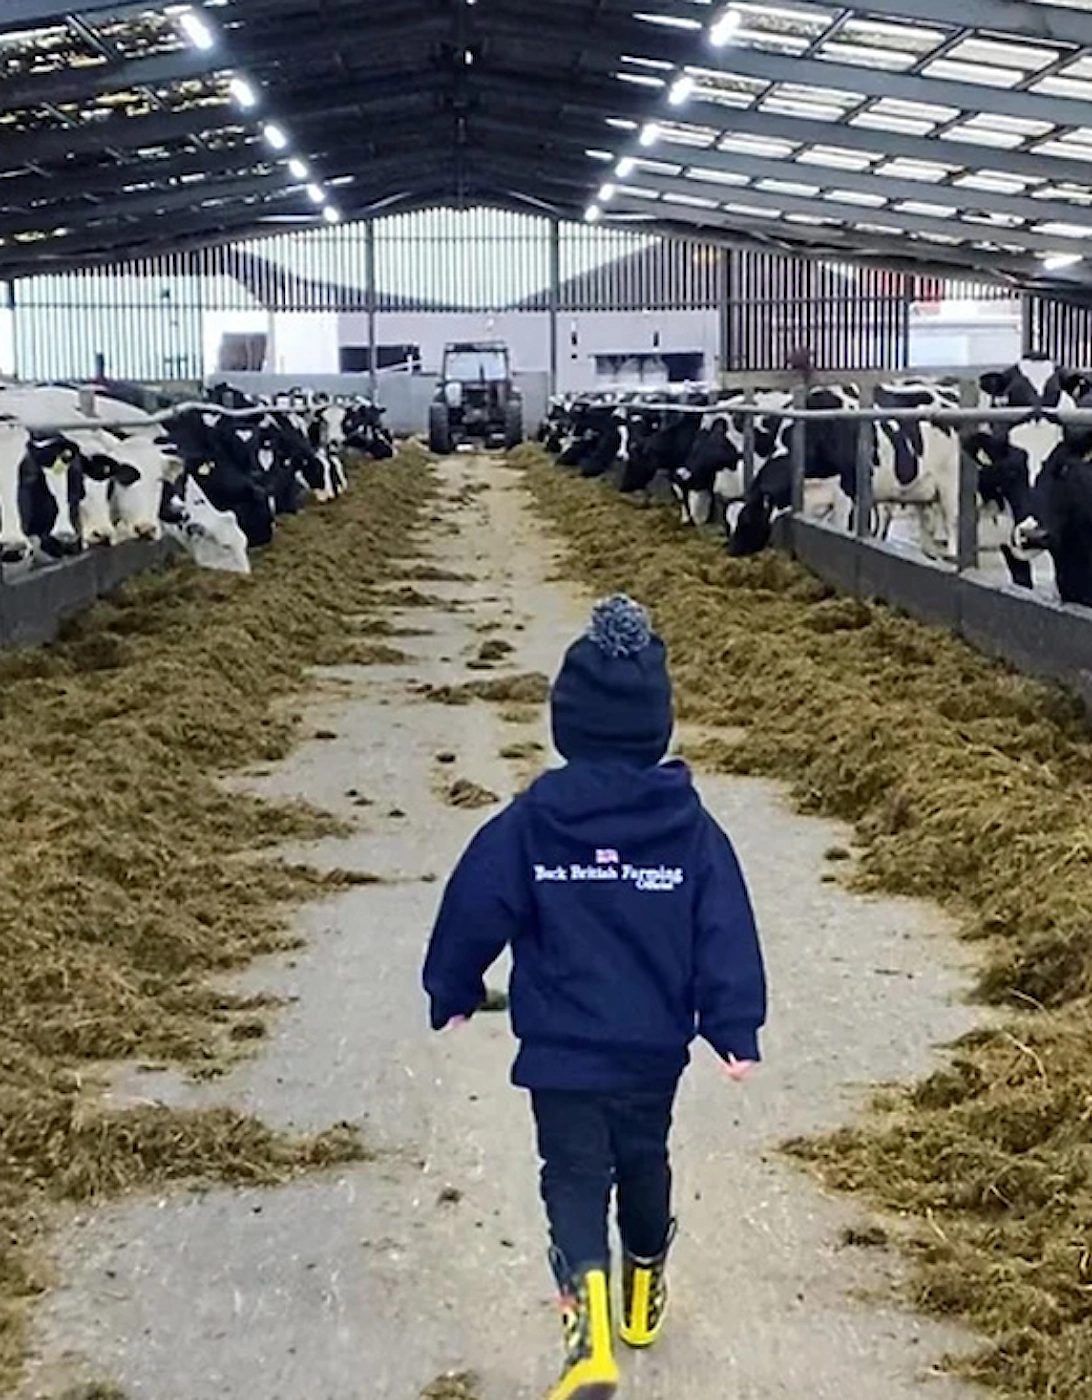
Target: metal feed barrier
<point>1048,639</point>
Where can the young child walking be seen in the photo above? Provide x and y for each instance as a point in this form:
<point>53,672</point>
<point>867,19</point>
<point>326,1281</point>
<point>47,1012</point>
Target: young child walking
<point>631,931</point>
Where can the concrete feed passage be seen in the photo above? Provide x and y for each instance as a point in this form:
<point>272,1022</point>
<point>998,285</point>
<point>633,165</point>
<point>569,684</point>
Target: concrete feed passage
<point>369,1283</point>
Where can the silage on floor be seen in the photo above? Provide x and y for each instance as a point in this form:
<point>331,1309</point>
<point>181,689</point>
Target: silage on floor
<point>120,893</point>
<point>968,785</point>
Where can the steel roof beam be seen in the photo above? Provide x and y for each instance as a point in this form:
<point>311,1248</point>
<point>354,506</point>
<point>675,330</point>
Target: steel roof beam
<point>854,214</point>
<point>622,100</point>
<point>253,52</point>
<point>40,14</point>
<point>603,43</point>
<point>78,85</point>
<point>150,205</point>
<point>888,186</point>
<point>1057,24</point>
<point>966,154</point>
<point>873,250</point>
<point>127,132</point>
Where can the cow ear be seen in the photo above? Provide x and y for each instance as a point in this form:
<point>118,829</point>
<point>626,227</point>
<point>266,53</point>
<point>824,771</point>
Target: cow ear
<point>992,383</point>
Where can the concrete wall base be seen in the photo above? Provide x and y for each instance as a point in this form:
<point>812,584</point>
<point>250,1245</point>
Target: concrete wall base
<point>1050,640</point>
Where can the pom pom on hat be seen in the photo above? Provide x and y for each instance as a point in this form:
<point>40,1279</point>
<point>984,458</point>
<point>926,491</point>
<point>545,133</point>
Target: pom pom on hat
<point>619,626</point>
<point>611,701</point>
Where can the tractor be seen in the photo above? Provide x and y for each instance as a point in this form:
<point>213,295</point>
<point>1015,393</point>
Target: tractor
<point>475,400</point>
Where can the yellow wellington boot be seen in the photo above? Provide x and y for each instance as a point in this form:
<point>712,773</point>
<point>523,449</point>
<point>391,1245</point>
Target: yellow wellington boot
<point>644,1296</point>
<point>590,1372</point>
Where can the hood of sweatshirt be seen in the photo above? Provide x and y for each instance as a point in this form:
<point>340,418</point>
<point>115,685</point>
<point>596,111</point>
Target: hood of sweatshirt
<point>587,801</point>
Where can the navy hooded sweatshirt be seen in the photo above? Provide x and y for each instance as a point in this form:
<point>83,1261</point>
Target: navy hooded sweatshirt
<point>630,926</point>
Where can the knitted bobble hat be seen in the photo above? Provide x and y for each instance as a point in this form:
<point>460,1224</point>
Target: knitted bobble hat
<point>611,701</point>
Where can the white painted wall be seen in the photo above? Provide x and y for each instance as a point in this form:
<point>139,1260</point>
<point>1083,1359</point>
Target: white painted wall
<point>965,333</point>
<point>217,324</point>
<point>7,341</point>
<point>304,342</point>
<point>526,333</point>
<point>630,332</point>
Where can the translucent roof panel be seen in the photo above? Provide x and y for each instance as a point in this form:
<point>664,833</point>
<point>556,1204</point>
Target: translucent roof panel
<point>901,129</point>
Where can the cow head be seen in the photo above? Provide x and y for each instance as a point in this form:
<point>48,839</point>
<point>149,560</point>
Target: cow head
<point>1034,382</point>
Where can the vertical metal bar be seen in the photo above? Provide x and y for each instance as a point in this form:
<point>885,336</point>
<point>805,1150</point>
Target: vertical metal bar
<point>1026,323</point>
<point>865,438</point>
<point>799,450</point>
<point>749,444</point>
<point>554,295</point>
<point>369,293</point>
<point>967,508</point>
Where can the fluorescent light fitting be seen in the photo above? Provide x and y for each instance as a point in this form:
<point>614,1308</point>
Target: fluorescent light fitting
<point>1054,262</point>
<point>275,136</point>
<point>606,193</point>
<point>682,89</point>
<point>723,28</point>
<point>331,215</point>
<point>468,57</point>
<point>625,167</point>
<point>196,30</point>
<point>592,214</point>
<point>650,134</point>
<point>297,169</point>
<point>243,93</point>
<point>315,194</point>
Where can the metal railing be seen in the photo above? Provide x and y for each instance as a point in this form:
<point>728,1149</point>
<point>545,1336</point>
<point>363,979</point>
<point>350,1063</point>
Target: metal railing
<point>866,414</point>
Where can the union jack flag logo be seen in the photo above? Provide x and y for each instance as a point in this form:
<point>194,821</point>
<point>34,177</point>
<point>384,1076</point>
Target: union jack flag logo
<point>606,856</point>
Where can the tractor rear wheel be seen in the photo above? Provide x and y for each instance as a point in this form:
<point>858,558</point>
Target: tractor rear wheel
<point>439,429</point>
<point>513,423</point>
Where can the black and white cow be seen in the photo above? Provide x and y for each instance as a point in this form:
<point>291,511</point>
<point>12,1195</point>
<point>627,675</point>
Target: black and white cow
<point>60,492</point>
<point>361,429</point>
<point>1059,518</point>
<point>1037,383</point>
<point>595,439</point>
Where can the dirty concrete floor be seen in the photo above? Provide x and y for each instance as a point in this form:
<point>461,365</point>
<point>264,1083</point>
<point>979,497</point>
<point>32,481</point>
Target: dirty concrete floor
<point>365,1285</point>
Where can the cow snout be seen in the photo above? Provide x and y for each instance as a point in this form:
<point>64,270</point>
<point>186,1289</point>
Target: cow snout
<point>1030,536</point>
<point>14,551</point>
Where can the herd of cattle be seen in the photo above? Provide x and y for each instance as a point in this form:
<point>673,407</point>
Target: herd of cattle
<point>215,475</point>
<point>1034,478</point>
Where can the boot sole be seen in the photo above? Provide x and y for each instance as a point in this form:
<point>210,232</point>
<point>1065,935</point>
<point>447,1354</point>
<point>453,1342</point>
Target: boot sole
<point>598,1390</point>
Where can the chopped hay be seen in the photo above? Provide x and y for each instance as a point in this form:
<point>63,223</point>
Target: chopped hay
<point>494,649</point>
<point>433,573</point>
<point>94,1390</point>
<point>525,748</point>
<point>377,654</point>
<point>527,454</point>
<point>465,793</point>
<point>461,1385</point>
<point>968,785</point>
<point>527,688</point>
<point>521,715</point>
<point>864,1237</point>
<point>127,873</point>
<point>409,597</point>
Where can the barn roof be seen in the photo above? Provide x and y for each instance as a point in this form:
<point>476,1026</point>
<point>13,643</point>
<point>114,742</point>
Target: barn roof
<point>950,135</point>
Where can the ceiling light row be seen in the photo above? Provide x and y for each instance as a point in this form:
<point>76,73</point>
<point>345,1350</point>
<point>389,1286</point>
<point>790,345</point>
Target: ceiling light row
<point>720,32</point>
<point>246,96</point>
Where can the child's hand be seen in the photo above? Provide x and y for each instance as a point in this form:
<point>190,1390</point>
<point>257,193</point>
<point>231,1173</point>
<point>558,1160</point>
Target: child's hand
<point>456,1022</point>
<point>738,1070</point>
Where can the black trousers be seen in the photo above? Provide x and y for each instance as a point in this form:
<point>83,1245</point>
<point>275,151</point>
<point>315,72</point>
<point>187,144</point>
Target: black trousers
<point>591,1143</point>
